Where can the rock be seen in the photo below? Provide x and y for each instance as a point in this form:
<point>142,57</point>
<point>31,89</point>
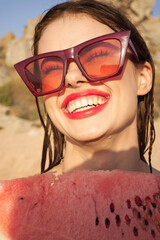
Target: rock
<point>141,10</point>
<point>4,43</point>
<point>21,48</point>
<point>151,30</point>
<point>28,30</point>
<point>4,75</point>
<point>6,40</point>
<point>137,10</point>
<point>18,50</point>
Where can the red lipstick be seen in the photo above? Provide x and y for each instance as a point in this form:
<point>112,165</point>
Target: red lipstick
<point>86,113</point>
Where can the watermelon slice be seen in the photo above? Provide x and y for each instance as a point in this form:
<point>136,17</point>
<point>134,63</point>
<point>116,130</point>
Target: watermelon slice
<point>88,205</point>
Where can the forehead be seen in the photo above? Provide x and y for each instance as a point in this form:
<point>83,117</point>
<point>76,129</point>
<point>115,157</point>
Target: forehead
<point>69,31</point>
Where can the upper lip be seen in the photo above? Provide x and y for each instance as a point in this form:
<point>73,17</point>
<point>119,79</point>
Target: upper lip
<point>77,95</point>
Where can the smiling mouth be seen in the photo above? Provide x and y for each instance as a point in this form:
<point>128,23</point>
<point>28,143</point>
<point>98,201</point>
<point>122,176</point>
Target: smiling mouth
<point>85,103</point>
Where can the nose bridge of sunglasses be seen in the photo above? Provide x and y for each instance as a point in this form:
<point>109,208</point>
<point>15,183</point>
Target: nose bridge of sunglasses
<point>69,54</point>
<point>70,58</point>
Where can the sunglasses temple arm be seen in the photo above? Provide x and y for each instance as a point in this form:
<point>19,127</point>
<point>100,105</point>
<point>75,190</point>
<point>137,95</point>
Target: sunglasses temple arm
<point>133,49</point>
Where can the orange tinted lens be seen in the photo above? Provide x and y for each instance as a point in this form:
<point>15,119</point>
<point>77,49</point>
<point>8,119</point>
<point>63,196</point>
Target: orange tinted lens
<point>101,59</point>
<point>45,74</point>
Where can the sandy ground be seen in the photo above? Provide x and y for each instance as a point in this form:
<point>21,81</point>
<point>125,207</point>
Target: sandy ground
<point>21,144</point>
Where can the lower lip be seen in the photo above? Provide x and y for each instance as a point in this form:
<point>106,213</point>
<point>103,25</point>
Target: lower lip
<point>86,113</point>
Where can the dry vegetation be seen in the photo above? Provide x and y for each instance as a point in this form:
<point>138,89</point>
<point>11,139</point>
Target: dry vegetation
<point>16,95</point>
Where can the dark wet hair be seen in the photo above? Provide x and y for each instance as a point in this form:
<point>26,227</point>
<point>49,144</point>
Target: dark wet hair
<point>116,19</point>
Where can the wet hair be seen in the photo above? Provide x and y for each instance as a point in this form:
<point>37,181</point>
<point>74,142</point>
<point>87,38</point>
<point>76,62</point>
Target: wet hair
<point>116,19</point>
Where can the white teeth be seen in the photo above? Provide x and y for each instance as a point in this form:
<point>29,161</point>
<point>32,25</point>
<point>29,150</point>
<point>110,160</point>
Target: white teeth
<point>72,107</point>
<point>90,102</point>
<point>77,104</point>
<point>100,101</point>
<point>95,100</point>
<point>85,103</point>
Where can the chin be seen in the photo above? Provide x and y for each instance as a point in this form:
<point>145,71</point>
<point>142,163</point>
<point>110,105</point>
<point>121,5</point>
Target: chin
<point>89,136</point>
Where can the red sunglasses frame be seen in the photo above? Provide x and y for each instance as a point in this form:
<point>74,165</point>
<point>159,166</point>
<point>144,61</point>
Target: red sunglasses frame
<point>71,55</point>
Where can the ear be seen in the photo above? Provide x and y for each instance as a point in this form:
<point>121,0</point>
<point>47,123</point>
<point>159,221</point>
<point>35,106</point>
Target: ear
<point>144,81</point>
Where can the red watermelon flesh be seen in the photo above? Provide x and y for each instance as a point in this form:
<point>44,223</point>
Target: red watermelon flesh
<point>88,205</point>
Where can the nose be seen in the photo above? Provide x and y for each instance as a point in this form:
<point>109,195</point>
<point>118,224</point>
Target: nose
<point>74,77</point>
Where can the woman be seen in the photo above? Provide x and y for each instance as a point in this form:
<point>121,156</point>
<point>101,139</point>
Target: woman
<point>98,94</point>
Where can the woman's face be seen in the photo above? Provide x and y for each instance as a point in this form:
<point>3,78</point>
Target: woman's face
<point>120,95</point>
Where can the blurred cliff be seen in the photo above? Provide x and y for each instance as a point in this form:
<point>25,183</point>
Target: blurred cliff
<point>13,92</point>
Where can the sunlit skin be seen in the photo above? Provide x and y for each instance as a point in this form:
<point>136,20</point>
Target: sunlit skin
<point>108,139</point>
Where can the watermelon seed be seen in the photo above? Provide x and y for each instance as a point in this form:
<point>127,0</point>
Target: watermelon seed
<point>135,231</point>
<point>153,205</point>
<point>139,215</point>
<point>107,222</point>
<point>136,213</point>
<point>146,222</point>
<point>128,220</point>
<point>144,208</point>
<point>21,198</point>
<point>128,203</point>
<point>118,220</point>
<point>97,221</point>
<point>150,212</point>
<point>153,233</point>
<point>138,201</point>
<point>112,207</point>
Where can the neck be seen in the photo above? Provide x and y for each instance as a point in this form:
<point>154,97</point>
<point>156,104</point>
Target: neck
<point>118,151</point>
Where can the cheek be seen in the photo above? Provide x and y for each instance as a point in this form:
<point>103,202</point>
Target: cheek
<point>55,114</point>
<point>125,95</point>
<point>129,84</point>
<point>129,99</point>
<point>129,93</point>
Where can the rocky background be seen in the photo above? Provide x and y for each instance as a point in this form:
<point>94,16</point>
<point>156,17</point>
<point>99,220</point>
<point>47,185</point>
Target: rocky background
<point>20,131</point>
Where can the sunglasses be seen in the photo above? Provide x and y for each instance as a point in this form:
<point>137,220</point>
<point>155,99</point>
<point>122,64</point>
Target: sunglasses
<point>101,58</point>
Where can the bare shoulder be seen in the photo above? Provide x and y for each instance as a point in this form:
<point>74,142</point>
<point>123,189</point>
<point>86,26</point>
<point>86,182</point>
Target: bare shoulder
<point>145,168</point>
<point>156,172</point>
<point>57,170</point>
